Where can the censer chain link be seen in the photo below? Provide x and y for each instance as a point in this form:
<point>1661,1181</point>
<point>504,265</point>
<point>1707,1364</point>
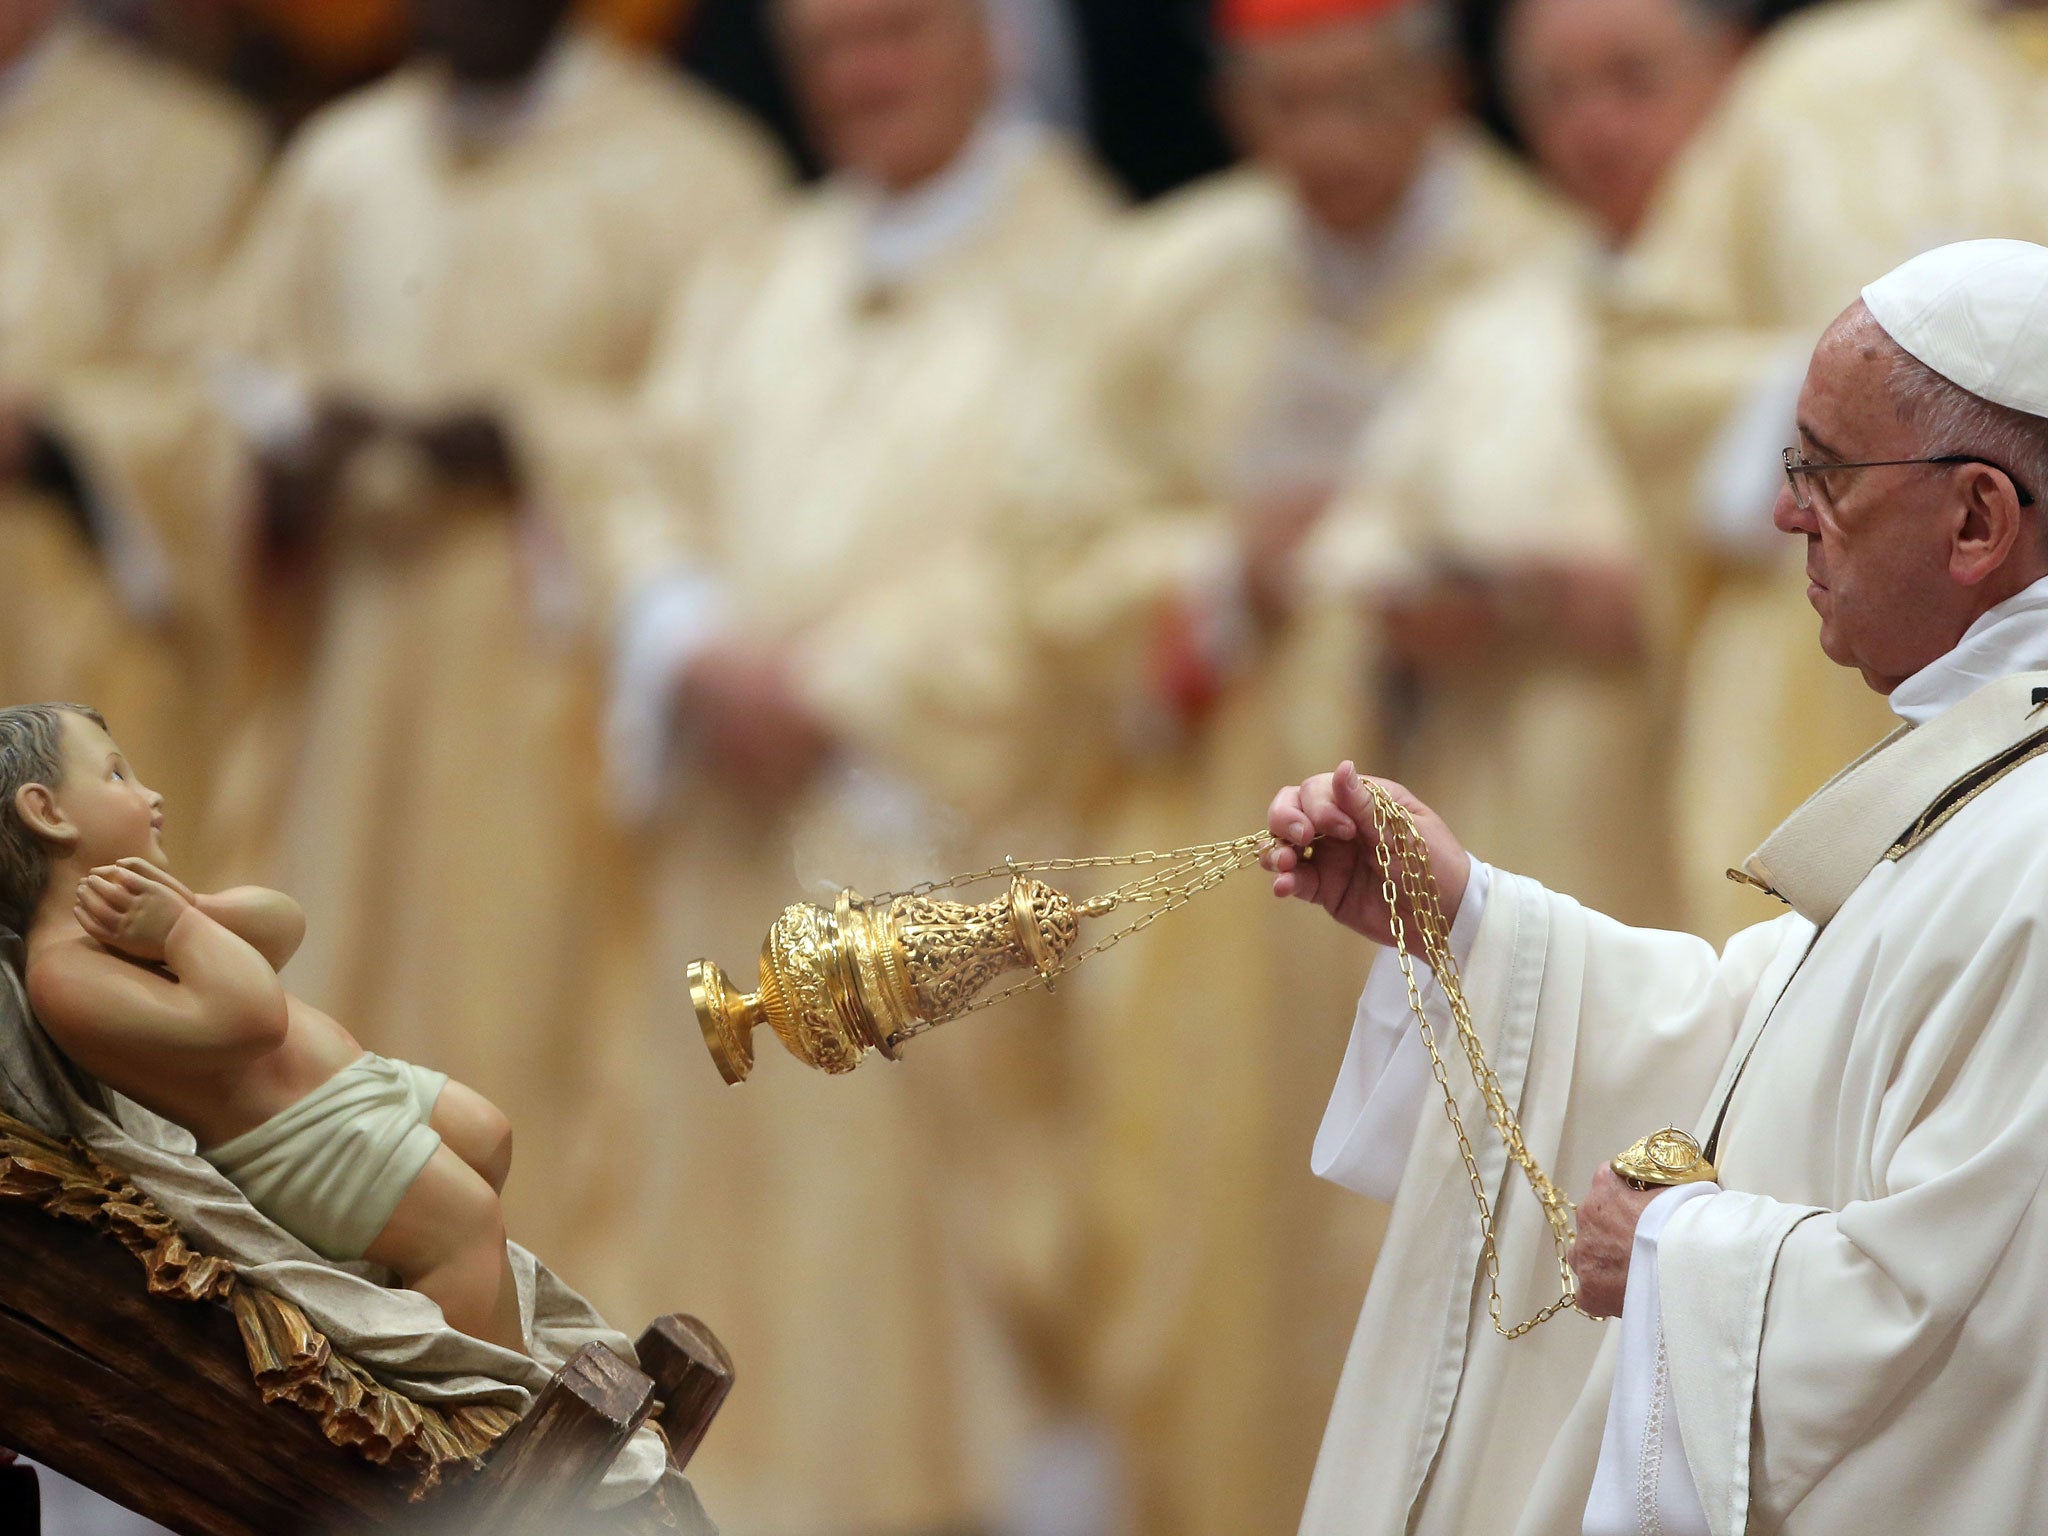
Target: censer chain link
<point>1190,871</point>
<point>1397,844</point>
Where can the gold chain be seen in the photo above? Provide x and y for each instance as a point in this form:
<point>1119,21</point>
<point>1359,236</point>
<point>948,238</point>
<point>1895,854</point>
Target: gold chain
<point>1186,874</point>
<point>1396,842</point>
<point>1405,874</point>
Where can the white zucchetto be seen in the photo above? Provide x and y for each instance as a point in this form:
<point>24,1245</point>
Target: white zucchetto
<point>1976,312</point>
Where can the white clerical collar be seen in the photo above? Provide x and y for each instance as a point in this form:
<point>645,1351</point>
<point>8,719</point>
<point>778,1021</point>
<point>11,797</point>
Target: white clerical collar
<point>903,232</point>
<point>1344,274</point>
<point>2012,637</point>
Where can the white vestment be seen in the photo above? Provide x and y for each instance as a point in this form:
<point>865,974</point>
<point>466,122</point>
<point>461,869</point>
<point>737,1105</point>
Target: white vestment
<point>1847,1330</point>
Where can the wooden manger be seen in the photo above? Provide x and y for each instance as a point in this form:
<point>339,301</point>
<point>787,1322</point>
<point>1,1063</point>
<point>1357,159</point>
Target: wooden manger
<point>149,1373</point>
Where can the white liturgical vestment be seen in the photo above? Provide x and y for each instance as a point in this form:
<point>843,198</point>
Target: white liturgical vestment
<point>1851,1324</point>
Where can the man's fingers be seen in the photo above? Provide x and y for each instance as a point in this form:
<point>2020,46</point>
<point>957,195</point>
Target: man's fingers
<point>1319,803</point>
<point>1285,818</point>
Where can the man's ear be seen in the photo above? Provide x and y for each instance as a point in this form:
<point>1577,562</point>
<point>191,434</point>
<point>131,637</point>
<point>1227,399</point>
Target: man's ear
<point>36,805</point>
<point>1990,524</point>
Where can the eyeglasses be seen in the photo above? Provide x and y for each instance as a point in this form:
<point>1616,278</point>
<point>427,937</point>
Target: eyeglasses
<point>1795,467</point>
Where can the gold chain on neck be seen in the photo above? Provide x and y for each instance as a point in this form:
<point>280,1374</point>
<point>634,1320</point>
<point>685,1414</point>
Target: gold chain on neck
<point>1403,860</point>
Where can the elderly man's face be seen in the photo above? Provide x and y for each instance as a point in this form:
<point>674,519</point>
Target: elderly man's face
<point>21,23</point>
<point>1882,545</point>
<point>488,42</point>
<point>1344,113</point>
<point>892,89</point>
<point>1607,92</point>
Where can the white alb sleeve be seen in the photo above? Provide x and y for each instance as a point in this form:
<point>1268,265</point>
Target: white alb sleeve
<point>1384,1083</point>
<point>1643,1482</point>
<point>669,621</point>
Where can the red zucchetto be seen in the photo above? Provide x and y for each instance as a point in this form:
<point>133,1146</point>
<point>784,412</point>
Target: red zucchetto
<point>1248,21</point>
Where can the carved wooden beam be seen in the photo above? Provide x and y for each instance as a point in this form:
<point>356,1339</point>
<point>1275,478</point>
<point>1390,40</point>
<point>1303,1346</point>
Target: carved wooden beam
<point>693,1374</point>
<point>150,1401</point>
<point>543,1472</point>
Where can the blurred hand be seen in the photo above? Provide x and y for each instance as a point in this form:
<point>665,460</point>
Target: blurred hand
<point>17,436</point>
<point>470,447</point>
<point>756,732</point>
<point>1606,1238</point>
<point>1333,812</point>
<point>1588,609</point>
<point>300,488</point>
<point>1270,534</point>
<point>128,911</point>
<point>1449,623</point>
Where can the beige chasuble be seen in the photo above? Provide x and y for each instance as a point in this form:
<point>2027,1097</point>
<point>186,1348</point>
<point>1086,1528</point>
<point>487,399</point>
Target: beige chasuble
<point>832,439</point>
<point>1238,358</point>
<point>122,183</point>
<point>1861,133</point>
<point>441,812</point>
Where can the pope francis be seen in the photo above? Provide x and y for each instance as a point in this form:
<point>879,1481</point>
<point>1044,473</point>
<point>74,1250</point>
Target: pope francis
<point>1842,1333</point>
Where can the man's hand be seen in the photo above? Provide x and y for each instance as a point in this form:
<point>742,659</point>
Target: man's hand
<point>470,448</point>
<point>1270,535</point>
<point>128,911</point>
<point>1606,1237</point>
<point>757,733</point>
<point>1334,812</point>
<point>1449,624</point>
<point>17,436</point>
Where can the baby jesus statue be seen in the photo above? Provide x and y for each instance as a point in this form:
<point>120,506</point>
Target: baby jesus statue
<point>172,998</point>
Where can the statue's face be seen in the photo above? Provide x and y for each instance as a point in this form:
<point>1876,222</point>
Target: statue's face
<point>1344,113</point>
<point>891,89</point>
<point>1607,92</point>
<point>114,814</point>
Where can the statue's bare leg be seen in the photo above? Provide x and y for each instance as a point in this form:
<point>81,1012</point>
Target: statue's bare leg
<point>446,1240</point>
<point>475,1130</point>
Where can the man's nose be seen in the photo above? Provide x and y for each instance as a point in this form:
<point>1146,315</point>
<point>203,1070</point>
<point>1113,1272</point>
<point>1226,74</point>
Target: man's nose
<point>1787,516</point>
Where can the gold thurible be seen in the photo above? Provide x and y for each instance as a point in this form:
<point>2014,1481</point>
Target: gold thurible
<point>872,973</point>
<point>866,976</point>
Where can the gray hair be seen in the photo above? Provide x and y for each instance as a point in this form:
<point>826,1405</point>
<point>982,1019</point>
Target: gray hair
<point>31,752</point>
<point>1951,420</point>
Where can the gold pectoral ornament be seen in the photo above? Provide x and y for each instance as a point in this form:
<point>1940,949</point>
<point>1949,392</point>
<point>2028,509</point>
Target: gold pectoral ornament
<point>874,972</point>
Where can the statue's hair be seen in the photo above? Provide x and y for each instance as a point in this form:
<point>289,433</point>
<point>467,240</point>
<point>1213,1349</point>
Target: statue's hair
<point>31,752</point>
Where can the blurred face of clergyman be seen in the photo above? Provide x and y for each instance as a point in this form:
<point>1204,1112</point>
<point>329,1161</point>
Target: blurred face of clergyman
<point>892,89</point>
<point>1608,92</point>
<point>488,42</point>
<point>1344,113</point>
<point>21,23</point>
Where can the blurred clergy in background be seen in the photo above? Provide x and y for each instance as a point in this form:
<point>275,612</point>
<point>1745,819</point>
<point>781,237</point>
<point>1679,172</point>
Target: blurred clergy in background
<point>1858,134</point>
<point>1285,369</point>
<point>456,273</point>
<point>819,684</point>
<point>123,182</point>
